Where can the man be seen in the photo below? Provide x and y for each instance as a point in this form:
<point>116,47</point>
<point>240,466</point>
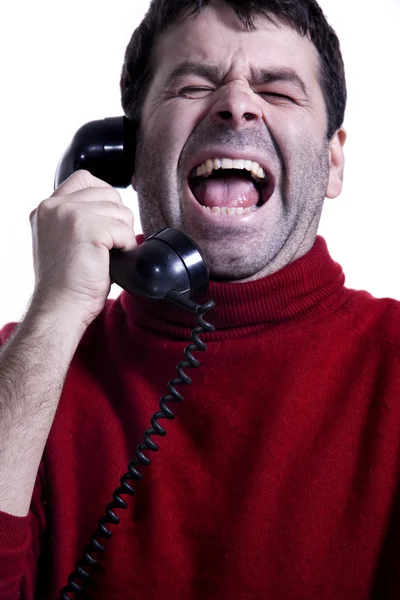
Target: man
<point>279,477</point>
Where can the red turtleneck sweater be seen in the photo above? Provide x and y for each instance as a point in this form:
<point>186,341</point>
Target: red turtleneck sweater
<point>279,477</point>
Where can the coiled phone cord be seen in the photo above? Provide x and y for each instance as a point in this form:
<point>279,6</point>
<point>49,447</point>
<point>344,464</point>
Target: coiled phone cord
<point>87,560</point>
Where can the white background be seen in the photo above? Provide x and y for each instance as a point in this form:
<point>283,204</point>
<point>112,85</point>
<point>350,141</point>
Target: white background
<point>60,67</point>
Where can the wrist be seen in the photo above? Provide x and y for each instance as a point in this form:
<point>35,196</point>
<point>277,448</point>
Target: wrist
<point>56,316</point>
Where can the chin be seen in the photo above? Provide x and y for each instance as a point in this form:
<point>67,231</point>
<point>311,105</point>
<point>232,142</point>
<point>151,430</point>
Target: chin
<point>231,269</point>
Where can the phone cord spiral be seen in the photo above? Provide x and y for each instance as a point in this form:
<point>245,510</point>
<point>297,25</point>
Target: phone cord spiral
<point>102,532</point>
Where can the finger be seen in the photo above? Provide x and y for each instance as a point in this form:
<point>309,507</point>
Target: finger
<point>99,194</point>
<point>112,233</point>
<point>80,180</point>
<point>93,194</point>
<point>90,201</point>
<point>102,208</point>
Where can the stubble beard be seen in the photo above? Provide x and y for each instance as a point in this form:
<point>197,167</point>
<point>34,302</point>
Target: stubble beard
<point>239,252</point>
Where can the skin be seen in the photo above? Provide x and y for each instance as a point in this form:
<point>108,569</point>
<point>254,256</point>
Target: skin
<point>236,115</point>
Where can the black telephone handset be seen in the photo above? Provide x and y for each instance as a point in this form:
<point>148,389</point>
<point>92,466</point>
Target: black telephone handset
<point>167,260</point>
<point>167,265</point>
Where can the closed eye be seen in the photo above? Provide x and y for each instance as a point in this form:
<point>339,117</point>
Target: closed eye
<point>194,90</point>
<point>276,95</point>
<point>197,90</point>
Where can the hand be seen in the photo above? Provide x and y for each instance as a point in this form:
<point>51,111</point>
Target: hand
<point>72,233</point>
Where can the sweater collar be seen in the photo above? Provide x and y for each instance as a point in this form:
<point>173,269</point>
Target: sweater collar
<point>298,292</point>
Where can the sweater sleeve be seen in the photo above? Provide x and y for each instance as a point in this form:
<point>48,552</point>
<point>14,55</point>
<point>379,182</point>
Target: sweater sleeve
<point>20,542</point>
<point>20,537</point>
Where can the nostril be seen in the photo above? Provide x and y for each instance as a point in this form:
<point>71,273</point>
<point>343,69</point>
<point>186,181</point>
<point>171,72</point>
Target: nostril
<point>225,114</point>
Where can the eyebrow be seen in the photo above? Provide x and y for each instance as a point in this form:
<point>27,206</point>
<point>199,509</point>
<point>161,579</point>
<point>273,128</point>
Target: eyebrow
<point>280,74</point>
<point>215,75</point>
<point>188,67</point>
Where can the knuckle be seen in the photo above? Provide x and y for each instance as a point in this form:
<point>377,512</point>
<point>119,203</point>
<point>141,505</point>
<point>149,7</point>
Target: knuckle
<point>81,179</point>
<point>62,210</point>
<point>44,207</point>
<point>125,214</point>
<point>82,175</point>
<point>111,205</point>
<point>112,195</point>
<point>122,225</point>
<point>59,214</point>
<point>70,215</point>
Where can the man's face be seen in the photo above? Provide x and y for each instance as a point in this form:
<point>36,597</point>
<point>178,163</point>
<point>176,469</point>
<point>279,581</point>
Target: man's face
<point>221,92</point>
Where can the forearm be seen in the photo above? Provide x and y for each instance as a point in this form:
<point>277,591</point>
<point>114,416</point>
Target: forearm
<point>33,366</point>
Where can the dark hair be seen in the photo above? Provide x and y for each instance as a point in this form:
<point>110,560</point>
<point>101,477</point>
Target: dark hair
<point>304,16</point>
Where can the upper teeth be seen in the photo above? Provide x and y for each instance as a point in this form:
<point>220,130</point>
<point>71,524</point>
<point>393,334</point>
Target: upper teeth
<point>213,164</point>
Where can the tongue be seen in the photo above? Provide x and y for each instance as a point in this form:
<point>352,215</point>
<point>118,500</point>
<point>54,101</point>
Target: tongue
<point>230,192</point>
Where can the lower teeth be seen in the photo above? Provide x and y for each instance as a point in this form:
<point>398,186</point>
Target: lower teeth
<point>228,210</point>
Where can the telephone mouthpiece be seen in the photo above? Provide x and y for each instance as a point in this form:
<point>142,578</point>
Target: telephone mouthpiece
<point>168,260</point>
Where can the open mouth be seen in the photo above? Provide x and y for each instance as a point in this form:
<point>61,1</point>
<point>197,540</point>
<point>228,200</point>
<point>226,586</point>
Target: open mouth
<point>231,187</point>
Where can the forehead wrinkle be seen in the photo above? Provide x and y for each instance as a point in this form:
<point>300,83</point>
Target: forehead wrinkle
<point>234,58</point>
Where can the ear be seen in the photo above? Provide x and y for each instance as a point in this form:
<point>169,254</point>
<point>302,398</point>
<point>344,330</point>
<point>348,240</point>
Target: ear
<point>336,164</point>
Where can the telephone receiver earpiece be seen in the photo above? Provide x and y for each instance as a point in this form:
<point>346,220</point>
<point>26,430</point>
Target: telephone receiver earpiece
<point>106,148</point>
<point>168,260</point>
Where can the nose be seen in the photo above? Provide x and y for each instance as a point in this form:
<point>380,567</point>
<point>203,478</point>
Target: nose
<point>237,106</point>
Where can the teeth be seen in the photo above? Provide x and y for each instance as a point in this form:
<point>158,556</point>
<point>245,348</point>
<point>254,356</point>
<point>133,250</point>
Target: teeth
<point>213,164</point>
<point>209,166</point>
<point>238,164</point>
<point>229,210</point>
<point>226,163</point>
<point>217,164</point>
